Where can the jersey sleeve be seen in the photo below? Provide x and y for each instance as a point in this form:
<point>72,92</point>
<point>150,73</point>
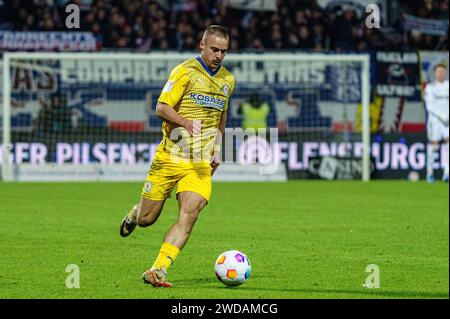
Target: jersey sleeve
<point>175,86</point>
<point>229,95</point>
<point>428,97</point>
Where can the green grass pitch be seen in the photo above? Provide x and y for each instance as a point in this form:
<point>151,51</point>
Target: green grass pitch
<point>305,239</point>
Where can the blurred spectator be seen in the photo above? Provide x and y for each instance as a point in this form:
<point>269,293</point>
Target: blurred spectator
<point>5,24</point>
<point>54,115</point>
<point>61,115</point>
<point>254,112</point>
<point>318,37</point>
<point>45,117</point>
<point>428,9</point>
<point>343,36</point>
<point>305,41</point>
<point>145,25</point>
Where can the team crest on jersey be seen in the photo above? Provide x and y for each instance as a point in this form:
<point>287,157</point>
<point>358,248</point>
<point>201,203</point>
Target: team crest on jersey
<point>226,89</point>
<point>147,187</point>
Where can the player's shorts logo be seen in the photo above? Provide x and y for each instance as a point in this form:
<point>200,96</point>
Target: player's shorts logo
<point>147,187</point>
<point>226,89</point>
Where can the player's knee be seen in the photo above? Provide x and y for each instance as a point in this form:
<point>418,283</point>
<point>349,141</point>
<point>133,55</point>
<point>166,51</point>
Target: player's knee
<point>189,218</point>
<point>146,219</point>
<point>141,220</point>
<point>202,204</point>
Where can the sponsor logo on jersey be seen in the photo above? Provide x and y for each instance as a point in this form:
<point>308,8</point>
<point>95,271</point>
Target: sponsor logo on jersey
<point>207,101</point>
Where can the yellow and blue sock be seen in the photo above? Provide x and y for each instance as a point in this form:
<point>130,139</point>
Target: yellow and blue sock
<point>167,256</point>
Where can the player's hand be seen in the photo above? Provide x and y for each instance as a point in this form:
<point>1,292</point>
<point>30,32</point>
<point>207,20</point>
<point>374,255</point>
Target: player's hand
<point>194,127</point>
<point>215,162</point>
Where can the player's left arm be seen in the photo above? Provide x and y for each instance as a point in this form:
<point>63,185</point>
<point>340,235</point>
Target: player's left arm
<point>215,160</point>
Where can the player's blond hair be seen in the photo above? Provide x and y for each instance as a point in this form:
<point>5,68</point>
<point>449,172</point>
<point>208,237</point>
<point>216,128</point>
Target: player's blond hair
<point>216,30</point>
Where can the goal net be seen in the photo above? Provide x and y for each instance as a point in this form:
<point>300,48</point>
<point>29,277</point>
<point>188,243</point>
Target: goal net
<point>91,116</point>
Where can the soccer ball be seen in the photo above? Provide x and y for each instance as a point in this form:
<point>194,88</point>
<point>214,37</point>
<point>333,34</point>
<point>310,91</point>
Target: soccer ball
<point>233,268</point>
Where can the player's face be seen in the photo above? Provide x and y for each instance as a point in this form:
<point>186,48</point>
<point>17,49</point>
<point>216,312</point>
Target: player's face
<point>440,74</point>
<point>214,49</point>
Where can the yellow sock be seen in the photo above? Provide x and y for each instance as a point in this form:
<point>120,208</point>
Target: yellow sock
<point>167,255</point>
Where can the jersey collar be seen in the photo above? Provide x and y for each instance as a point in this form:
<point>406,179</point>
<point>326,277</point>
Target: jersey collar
<point>200,60</point>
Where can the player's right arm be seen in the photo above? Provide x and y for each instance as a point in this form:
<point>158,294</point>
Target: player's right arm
<point>170,96</point>
<point>168,114</point>
<point>428,97</point>
<point>430,103</point>
<point>429,100</point>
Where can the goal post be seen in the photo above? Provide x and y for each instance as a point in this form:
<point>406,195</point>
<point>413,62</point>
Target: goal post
<point>6,119</point>
<point>116,81</point>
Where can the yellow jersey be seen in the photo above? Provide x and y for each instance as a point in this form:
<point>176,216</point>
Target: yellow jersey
<point>196,93</point>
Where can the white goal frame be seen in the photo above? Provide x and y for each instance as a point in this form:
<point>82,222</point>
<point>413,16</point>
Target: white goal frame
<point>364,59</point>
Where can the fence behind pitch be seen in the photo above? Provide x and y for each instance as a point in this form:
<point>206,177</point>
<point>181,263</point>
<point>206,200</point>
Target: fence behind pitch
<point>105,126</point>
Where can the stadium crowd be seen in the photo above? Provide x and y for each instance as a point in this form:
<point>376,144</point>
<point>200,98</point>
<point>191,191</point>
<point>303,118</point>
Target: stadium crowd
<point>145,25</point>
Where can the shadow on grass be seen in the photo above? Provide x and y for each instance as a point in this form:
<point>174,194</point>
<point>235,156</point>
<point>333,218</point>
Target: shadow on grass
<point>378,293</point>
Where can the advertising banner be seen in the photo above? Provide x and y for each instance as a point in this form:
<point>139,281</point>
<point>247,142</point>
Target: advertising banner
<point>397,75</point>
<point>47,41</point>
<point>253,5</point>
<point>425,26</point>
<point>393,156</point>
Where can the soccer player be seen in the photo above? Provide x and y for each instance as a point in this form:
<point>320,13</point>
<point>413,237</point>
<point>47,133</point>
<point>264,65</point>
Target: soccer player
<point>436,103</point>
<point>193,106</point>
